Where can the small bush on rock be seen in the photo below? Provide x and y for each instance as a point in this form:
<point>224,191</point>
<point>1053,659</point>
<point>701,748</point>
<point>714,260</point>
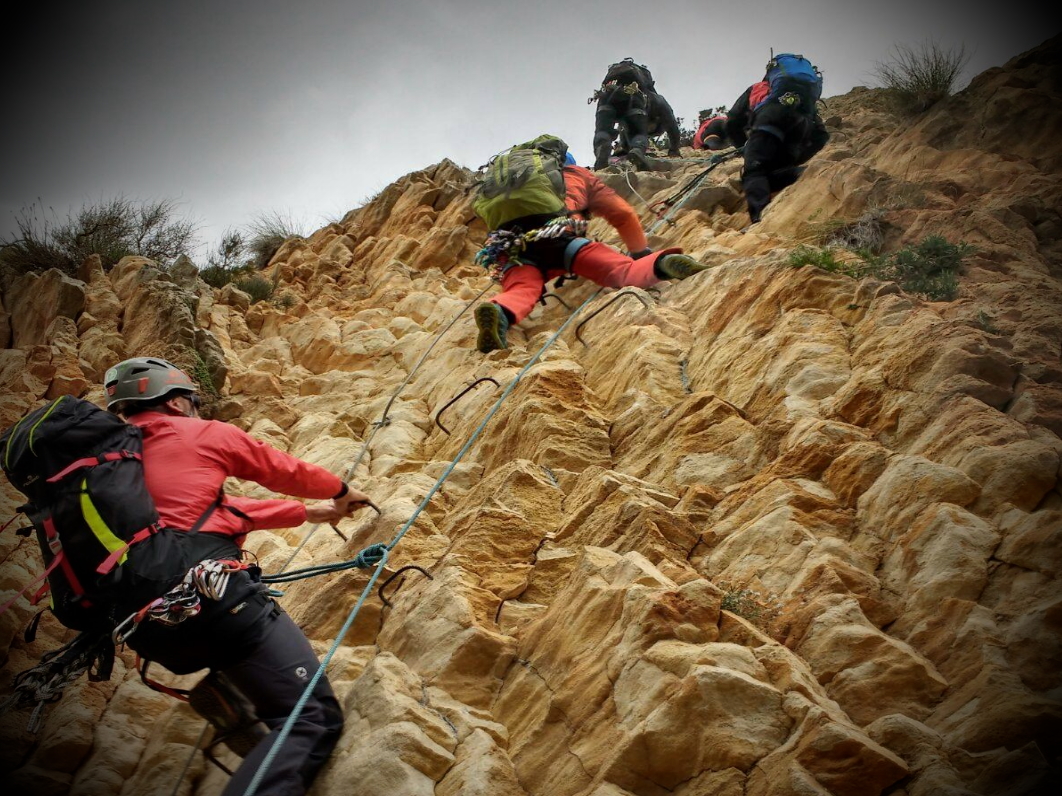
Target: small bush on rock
<point>921,76</point>
<point>113,229</point>
<point>929,269</point>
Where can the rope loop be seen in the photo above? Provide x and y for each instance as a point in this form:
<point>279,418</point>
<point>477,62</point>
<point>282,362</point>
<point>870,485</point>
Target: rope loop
<point>371,556</point>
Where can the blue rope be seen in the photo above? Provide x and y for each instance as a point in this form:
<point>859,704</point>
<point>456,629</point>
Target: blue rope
<point>385,552</point>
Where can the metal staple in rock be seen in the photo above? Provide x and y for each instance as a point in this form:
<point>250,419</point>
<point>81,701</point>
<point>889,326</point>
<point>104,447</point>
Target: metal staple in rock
<point>286,729</point>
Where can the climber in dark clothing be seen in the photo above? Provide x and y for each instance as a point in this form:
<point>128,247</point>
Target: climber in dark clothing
<point>661,121</point>
<point>628,97</point>
<point>778,139</point>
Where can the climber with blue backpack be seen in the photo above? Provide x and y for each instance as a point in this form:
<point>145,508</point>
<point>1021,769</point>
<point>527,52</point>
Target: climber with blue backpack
<point>536,202</point>
<point>776,121</point>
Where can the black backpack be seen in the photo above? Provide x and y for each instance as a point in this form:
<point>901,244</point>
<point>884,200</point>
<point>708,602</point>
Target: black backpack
<point>104,551</point>
<point>626,72</point>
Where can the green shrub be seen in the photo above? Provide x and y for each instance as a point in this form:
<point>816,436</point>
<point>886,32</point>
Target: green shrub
<point>240,255</point>
<point>225,264</point>
<point>929,269</point>
<point>201,375</point>
<point>919,77</point>
<point>113,229</point>
<point>758,609</point>
<point>820,258</point>
<point>266,234</point>
<point>257,287</point>
<point>285,301</point>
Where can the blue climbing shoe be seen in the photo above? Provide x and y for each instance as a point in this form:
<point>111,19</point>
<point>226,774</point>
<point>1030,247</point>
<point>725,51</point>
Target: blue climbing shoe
<point>492,323</point>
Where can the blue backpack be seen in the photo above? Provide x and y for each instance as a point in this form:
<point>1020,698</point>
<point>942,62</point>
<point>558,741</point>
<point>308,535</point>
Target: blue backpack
<point>795,82</point>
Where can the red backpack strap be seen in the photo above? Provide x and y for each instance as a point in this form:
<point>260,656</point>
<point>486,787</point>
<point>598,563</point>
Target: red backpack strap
<point>177,693</point>
<point>759,94</point>
<point>93,461</point>
<point>43,576</point>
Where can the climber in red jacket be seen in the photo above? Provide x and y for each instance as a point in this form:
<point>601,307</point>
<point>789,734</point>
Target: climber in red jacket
<point>244,635</point>
<point>711,134</point>
<point>572,255</point>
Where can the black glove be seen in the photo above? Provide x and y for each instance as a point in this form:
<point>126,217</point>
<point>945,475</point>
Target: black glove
<point>641,254</point>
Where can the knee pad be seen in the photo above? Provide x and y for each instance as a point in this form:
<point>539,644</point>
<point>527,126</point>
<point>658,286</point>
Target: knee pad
<point>572,249</point>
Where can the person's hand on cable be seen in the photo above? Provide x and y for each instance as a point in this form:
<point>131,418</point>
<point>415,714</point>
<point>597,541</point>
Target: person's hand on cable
<point>350,500</point>
<point>342,505</point>
<point>323,512</point>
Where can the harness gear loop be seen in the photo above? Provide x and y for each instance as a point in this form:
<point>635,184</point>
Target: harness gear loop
<point>89,652</point>
<point>209,578</point>
<point>503,248</point>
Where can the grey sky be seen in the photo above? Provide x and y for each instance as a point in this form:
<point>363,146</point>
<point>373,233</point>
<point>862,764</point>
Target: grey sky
<point>234,108</point>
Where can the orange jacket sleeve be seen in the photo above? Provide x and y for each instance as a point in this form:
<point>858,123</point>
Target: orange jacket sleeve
<point>603,201</point>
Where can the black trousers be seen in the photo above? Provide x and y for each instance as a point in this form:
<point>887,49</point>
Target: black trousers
<point>618,106</point>
<point>268,658</point>
<point>273,676</point>
<point>780,140</point>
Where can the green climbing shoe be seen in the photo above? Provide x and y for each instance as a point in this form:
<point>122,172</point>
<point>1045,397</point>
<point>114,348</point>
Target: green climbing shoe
<point>492,323</point>
<point>679,266</point>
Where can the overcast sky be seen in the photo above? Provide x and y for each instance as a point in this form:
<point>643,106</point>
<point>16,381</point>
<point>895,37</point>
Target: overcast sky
<point>308,107</point>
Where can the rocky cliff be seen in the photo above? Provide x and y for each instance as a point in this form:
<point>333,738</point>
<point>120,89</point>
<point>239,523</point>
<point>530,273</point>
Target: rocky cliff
<point>771,530</point>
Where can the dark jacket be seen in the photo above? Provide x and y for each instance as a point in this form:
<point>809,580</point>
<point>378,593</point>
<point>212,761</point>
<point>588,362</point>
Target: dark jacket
<point>804,134</point>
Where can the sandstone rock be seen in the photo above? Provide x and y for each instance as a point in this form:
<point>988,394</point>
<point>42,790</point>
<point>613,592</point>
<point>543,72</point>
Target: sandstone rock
<point>867,672</point>
<point>882,470</point>
<point>944,554</point>
<point>35,300</point>
<point>909,484</point>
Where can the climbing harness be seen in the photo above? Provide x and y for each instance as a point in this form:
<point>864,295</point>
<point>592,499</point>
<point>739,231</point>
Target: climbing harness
<point>503,248</point>
<point>385,550</point>
<point>209,578</point>
<point>630,89</point>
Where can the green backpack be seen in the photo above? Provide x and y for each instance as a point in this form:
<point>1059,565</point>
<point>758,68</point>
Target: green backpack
<point>525,180</point>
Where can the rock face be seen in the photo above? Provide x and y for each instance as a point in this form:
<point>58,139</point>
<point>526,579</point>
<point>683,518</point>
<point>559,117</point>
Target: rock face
<point>768,531</point>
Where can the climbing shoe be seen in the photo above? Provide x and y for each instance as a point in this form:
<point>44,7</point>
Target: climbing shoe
<point>229,712</point>
<point>638,158</point>
<point>492,323</point>
<point>678,266</point>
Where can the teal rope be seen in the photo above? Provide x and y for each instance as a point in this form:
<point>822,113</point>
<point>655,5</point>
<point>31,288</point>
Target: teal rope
<point>367,558</point>
<point>285,731</point>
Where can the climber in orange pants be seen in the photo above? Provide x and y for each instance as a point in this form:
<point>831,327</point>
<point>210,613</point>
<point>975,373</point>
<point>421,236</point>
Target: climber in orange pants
<point>571,255</point>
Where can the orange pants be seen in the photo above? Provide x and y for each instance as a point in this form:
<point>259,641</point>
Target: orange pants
<point>522,285</point>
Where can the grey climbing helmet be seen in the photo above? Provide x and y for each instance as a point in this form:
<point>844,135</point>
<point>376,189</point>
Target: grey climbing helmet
<point>144,379</point>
